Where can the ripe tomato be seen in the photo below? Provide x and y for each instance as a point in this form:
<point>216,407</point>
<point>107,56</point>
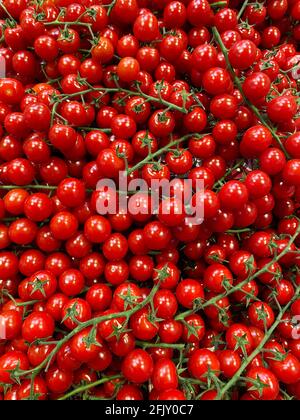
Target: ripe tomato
<point>38,387</point>
<point>11,321</point>
<point>239,338</point>
<point>230,363</point>
<point>40,286</point>
<point>203,365</point>
<point>288,370</point>
<point>58,381</point>
<point>217,278</point>
<point>188,292</point>
<point>164,375</point>
<point>37,325</point>
<point>75,310</point>
<point>10,361</point>
<point>269,389</point>
<point>242,54</point>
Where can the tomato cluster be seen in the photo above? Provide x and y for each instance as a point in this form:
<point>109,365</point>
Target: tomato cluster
<point>135,305</point>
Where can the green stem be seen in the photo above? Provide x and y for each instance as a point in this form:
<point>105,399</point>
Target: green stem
<point>218,4</point>
<point>33,187</point>
<point>169,105</point>
<point>111,6</point>
<point>235,231</point>
<point>7,12</point>
<point>29,303</point>
<point>58,22</point>
<point>145,344</point>
<point>103,130</point>
<point>242,9</point>
<point>159,152</point>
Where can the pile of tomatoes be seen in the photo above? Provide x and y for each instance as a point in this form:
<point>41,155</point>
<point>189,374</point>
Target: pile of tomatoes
<point>136,305</point>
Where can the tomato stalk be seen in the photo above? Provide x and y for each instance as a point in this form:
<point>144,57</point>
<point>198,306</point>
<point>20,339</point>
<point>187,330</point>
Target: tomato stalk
<point>33,187</point>
<point>103,130</point>
<point>162,101</point>
<point>161,151</point>
<point>218,4</point>
<point>145,345</point>
<point>86,387</point>
<point>7,12</point>
<point>243,8</point>
<point>59,22</point>
<point>111,6</point>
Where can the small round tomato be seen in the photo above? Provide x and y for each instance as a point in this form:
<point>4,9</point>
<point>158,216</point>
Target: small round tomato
<point>217,278</point>
<point>189,292</point>
<point>270,388</point>
<point>230,363</point>
<point>137,366</point>
<point>58,381</point>
<point>261,315</point>
<point>164,375</point>
<point>128,69</point>
<point>71,282</point>
<point>38,325</point>
<point>203,365</point>
<point>242,54</point>
<point>239,338</point>
<point>10,361</point>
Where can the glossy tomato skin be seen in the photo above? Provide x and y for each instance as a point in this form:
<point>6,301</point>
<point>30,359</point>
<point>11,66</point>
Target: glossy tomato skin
<point>271,390</point>
<point>230,363</point>
<point>288,370</point>
<point>170,331</point>
<point>164,375</point>
<point>81,308</point>
<point>12,322</point>
<point>39,388</point>
<point>80,350</point>
<point>197,325</point>
<point>123,346</point>
<point>129,393</point>
<point>40,286</point>
<point>37,326</point>
<point>38,353</point>
<point>239,338</point>
<point>99,296</point>
<point>10,361</point>
<point>58,381</point>
<point>137,366</point>
<point>242,54</point>
<point>216,277</point>
<point>188,291</point>
<point>142,328</point>
<point>201,362</point>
